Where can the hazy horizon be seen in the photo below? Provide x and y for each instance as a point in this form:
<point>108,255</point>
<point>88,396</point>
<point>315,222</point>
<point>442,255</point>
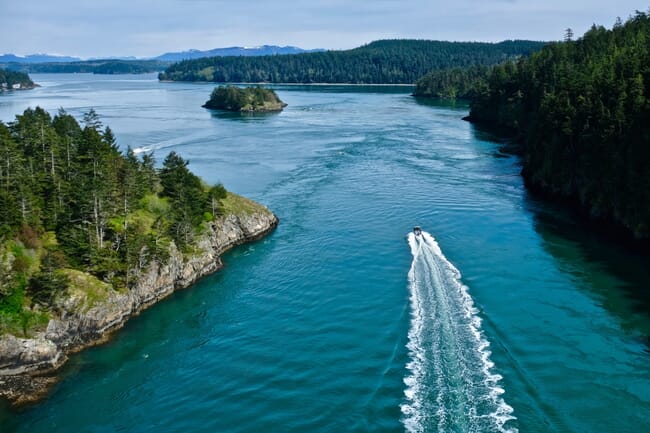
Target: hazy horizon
<point>143,28</point>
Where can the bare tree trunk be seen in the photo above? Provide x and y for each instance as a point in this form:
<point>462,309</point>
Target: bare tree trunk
<point>67,150</point>
<point>96,218</point>
<point>23,206</point>
<point>52,161</point>
<point>43,148</point>
<point>8,170</point>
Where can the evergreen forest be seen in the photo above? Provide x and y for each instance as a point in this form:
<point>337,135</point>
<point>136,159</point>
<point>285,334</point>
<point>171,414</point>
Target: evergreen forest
<point>580,110</point>
<point>380,62</point>
<point>452,83</point>
<point>75,210</point>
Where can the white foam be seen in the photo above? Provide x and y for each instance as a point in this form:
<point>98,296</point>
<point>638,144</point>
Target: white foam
<point>450,362</point>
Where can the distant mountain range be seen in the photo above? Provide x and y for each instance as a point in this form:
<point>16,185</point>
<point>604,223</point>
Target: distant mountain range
<point>36,58</point>
<point>263,50</point>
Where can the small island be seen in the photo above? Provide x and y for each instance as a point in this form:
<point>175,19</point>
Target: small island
<point>249,99</point>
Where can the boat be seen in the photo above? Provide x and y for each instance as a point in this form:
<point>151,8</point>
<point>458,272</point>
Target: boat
<point>417,230</point>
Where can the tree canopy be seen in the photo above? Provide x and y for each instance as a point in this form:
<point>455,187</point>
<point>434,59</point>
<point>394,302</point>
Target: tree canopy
<point>580,110</point>
<point>452,83</point>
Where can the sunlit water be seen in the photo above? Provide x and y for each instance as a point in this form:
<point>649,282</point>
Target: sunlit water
<point>340,321</point>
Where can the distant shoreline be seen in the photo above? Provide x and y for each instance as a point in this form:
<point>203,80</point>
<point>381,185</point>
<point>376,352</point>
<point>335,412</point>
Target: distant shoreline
<point>266,83</point>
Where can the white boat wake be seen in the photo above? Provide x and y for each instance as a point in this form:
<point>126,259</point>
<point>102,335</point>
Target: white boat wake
<point>449,386</point>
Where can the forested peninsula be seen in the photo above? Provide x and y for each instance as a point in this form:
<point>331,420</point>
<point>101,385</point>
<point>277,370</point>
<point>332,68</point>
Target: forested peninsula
<point>380,62</point>
<point>90,236</point>
<point>13,80</point>
<point>578,111</point>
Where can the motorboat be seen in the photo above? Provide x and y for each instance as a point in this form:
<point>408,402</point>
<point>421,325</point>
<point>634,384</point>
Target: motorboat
<point>417,231</point>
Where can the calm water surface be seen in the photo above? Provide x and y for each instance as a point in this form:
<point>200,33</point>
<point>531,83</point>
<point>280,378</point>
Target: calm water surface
<point>509,317</point>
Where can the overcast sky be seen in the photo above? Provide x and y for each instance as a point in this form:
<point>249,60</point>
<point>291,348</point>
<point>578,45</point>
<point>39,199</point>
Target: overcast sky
<point>92,28</point>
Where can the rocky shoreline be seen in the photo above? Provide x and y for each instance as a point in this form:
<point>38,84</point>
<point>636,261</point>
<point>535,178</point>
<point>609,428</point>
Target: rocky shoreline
<point>20,87</point>
<point>28,366</point>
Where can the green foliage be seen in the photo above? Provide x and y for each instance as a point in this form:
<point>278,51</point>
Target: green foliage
<point>44,286</point>
<point>380,62</point>
<point>72,203</point>
<point>580,110</point>
<point>15,265</point>
<point>155,204</point>
<point>187,196</point>
<point>233,98</point>
<point>216,194</point>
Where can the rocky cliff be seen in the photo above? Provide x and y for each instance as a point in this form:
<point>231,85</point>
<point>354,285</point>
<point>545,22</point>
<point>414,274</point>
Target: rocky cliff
<point>28,365</point>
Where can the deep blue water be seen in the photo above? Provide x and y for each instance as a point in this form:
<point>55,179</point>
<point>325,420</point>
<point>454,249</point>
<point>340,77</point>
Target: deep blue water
<point>514,318</point>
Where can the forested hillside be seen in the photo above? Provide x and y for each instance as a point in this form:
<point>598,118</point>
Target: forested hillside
<point>451,83</point>
<point>380,62</point>
<point>107,66</point>
<point>580,109</point>
<point>76,211</point>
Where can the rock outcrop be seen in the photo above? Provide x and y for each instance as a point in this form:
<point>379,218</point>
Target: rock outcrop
<point>28,365</point>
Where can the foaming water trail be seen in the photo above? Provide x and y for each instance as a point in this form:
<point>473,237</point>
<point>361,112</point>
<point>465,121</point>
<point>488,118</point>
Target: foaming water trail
<point>449,386</point>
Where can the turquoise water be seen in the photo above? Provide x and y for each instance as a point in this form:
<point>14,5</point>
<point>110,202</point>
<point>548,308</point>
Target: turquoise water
<point>509,318</point>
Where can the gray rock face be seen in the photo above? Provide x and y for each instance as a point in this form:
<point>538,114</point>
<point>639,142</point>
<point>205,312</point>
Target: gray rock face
<point>21,355</point>
<point>27,365</point>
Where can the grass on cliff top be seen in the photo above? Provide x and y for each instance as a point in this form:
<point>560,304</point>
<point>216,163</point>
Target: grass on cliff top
<point>238,205</point>
<point>86,289</point>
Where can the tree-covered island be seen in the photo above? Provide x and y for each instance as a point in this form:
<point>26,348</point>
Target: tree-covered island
<point>249,99</point>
